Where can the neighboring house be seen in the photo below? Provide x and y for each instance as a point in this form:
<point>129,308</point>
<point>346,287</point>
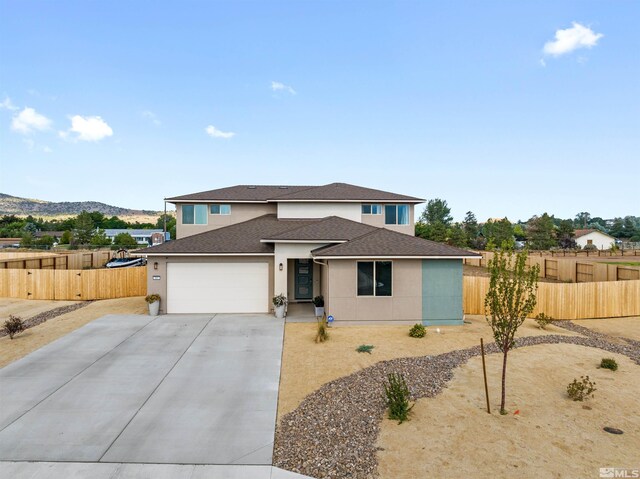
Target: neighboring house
<point>594,237</point>
<point>142,236</point>
<point>237,247</point>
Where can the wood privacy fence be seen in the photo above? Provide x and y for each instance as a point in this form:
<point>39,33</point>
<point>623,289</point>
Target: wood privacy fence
<point>571,269</point>
<point>603,299</point>
<point>73,284</point>
<point>81,260</point>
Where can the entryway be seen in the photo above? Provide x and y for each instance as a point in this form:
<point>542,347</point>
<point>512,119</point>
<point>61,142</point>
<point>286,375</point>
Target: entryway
<point>303,277</point>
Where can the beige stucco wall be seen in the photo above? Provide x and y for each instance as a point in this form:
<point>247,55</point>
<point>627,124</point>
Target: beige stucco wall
<point>284,281</point>
<point>378,221</point>
<point>159,286</point>
<point>239,212</point>
<point>344,304</point>
<point>350,211</point>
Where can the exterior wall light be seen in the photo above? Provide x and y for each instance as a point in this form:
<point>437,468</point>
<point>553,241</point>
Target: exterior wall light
<point>155,265</point>
<point>281,267</point>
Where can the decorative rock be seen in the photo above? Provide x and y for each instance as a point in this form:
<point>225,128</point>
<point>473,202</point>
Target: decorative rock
<point>613,430</point>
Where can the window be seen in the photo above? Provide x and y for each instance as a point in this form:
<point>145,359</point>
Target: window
<point>220,209</point>
<point>374,278</point>
<point>396,214</point>
<point>371,209</point>
<point>194,214</point>
<point>589,241</point>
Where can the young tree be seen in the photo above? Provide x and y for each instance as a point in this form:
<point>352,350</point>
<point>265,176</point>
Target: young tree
<point>27,240</point>
<point>510,299</point>
<point>83,231</point>
<point>100,239</point>
<point>66,237</point>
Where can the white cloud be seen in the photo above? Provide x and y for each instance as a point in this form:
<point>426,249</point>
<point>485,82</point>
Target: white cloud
<point>46,149</point>
<point>277,86</point>
<point>213,132</point>
<point>29,120</point>
<point>88,128</point>
<point>149,115</point>
<point>570,39</point>
<point>7,105</point>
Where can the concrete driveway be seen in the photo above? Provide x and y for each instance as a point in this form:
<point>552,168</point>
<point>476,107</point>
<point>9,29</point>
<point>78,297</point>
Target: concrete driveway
<point>176,389</point>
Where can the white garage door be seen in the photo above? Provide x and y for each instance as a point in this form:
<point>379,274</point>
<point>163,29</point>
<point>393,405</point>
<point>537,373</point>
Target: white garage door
<point>217,287</point>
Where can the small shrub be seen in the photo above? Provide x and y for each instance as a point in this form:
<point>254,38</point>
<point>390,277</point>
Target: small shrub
<point>543,320</point>
<point>418,331</point>
<point>318,301</point>
<point>609,363</point>
<point>581,390</point>
<point>322,333</point>
<point>13,326</point>
<point>279,300</point>
<point>365,348</point>
<point>397,394</point>
<point>152,298</point>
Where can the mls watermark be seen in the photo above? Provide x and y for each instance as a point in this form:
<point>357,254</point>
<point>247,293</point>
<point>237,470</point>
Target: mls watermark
<point>619,472</point>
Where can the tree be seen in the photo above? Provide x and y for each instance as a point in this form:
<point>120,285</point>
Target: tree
<point>66,237</point>
<point>498,232</point>
<point>83,231</point>
<point>629,228</point>
<point>582,219</point>
<point>510,299</point>
<point>45,241</point>
<point>566,234</point>
<point>456,236</point>
<point>171,224</point>
<point>125,240</point>
<point>471,230</point>
<point>436,211</point>
<point>541,232</point>
<point>99,238</point>
<point>27,240</point>
<point>617,228</point>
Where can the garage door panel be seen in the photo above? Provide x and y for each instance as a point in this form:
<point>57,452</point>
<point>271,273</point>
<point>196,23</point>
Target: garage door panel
<point>217,287</point>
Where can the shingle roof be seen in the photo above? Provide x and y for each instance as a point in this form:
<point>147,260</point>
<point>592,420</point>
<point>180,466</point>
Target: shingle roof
<point>584,232</point>
<point>384,242</point>
<point>263,193</point>
<point>326,229</point>
<point>241,238</point>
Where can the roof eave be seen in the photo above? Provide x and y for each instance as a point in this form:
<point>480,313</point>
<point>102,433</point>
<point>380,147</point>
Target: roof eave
<point>397,256</point>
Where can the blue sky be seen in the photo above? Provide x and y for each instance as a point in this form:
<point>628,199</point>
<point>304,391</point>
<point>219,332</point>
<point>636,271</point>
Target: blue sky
<point>501,108</point>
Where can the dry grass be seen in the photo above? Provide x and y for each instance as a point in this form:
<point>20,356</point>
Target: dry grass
<point>306,365</point>
<point>552,436</point>
<point>38,336</point>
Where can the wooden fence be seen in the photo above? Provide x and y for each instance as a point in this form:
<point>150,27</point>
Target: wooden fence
<point>603,299</point>
<point>72,260</point>
<point>571,269</point>
<point>73,284</point>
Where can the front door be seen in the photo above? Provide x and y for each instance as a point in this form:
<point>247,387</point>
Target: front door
<point>304,278</point>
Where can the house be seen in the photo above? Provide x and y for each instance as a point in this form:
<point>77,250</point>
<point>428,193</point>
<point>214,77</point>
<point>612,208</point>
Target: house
<point>142,236</point>
<point>237,247</point>
<point>594,237</point>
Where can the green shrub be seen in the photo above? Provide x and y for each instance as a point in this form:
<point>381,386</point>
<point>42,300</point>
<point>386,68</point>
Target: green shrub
<point>365,348</point>
<point>322,333</point>
<point>152,298</point>
<point>543,320</point>
<point>581,390</point>
<point>13,326</point>
<point>609,363</point>
<point>397,394</point>
<point>418,331</point>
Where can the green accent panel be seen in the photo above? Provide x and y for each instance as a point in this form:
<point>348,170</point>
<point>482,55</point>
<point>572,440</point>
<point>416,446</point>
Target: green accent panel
<point>441,292</point>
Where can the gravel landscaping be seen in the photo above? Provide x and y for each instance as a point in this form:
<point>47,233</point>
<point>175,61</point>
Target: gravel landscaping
<point>50,314</point>
<point>333,433</point>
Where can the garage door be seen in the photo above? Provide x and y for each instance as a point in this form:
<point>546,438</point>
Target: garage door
<point>217,287</point>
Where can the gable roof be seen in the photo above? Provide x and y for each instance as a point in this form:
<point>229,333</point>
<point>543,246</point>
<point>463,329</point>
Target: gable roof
<point>331,228</point>
<point>384,242</point>
<point>274,193</point>
<point>584,232</point>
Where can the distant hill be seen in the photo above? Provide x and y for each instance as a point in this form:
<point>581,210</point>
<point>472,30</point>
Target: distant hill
<point>13,205</point>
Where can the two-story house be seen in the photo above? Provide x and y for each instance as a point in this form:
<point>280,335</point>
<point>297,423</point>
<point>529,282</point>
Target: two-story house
<point>237,247</point>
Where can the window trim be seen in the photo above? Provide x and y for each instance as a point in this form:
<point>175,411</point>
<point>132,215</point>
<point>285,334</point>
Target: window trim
<point>206,216</point>
<point>220,205</point>
<point>396,205</point>
<point>371,206</point>
<point>374,295</point>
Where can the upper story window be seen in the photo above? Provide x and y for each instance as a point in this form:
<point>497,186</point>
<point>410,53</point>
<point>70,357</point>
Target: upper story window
<point>371,209</point>
<point>220,209</point>
<point>374,278</point>
<point>194,214</point>
<point>396,214</point>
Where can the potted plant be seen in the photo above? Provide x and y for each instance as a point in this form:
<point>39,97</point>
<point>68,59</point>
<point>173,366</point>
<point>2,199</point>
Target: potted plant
<point>318,302</point>
<point>153,300</point>
<point>280,303</point>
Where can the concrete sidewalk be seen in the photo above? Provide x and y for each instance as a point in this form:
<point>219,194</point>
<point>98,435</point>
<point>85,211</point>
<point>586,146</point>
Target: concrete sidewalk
<point>176,389</point>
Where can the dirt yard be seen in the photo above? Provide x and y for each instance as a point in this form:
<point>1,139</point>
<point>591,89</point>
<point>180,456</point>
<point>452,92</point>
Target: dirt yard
<point>451,435</point>
<point>38,336</point>
<point>306,365</point>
